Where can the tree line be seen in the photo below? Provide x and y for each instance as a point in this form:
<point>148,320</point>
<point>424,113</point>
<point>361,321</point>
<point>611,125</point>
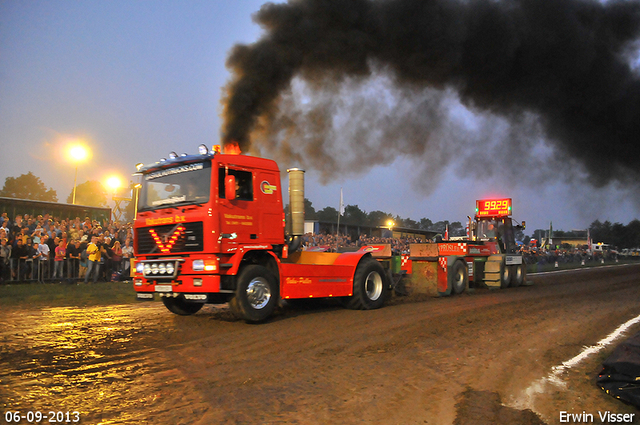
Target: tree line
<point>356,216</point>
<point>29,186</point>
<point>616,234</point>
<point>91,193</point>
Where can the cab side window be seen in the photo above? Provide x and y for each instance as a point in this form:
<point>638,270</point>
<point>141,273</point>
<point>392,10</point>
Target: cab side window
<point>244,183</point>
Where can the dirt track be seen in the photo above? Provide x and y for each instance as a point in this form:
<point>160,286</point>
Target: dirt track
<point>472,359</point>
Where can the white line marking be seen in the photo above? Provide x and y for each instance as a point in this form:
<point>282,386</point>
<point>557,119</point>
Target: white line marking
<point>526,400</point>
<point>613,336</point>
<point>585,269</point>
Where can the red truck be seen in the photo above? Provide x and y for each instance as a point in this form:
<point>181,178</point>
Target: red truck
<point>210,228</point>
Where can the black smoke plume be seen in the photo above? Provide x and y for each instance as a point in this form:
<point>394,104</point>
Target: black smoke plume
<point>341,85</point>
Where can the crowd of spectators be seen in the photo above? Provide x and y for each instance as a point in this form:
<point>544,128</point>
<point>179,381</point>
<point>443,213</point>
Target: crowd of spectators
<point>566,256</point>
<point>46,248</point>
<point>52,249</point>
<point>531,256</point>
<point>331,242</point>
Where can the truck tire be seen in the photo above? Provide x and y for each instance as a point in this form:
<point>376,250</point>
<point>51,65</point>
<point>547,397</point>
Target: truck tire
<point>256,294</point>
<point>505,277</point>
<point>370,286</point>
<point>181,307</point>
<point>518,273</point>
<point>459,277</point>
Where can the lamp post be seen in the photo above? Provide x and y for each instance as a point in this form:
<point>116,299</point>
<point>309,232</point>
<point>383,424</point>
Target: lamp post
<point>136,187</point>
<point>114,183</point>
<point>77,153</point>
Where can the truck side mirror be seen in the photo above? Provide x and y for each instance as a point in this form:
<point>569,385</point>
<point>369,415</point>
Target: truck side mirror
<point>230,188</point>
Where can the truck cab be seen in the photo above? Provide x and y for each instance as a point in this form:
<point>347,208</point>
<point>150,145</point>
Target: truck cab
<point>492,222</point>
<point>493,226</point>
<point>500,230</point>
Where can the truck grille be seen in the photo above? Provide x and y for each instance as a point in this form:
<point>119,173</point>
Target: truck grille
<point>187,240</point>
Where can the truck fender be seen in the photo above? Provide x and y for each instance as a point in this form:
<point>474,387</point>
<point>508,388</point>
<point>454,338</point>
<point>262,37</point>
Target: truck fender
<point>351,258</point>
<point>256,256</point>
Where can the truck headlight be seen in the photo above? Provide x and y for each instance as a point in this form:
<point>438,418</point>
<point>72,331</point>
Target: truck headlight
<point>197,265</point>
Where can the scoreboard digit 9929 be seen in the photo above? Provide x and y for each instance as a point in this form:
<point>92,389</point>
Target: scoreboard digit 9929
<point>493,207</point>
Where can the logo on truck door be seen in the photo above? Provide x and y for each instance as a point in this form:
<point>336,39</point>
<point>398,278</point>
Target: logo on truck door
<point>267,188</point>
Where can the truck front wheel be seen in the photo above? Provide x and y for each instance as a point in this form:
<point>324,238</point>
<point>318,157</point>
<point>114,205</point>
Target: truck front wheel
<point>181,307</point>
<point>256,294</point>
<point>370,286</point>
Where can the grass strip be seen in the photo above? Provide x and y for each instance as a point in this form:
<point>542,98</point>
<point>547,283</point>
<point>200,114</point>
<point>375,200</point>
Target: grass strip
<point>66,294</point>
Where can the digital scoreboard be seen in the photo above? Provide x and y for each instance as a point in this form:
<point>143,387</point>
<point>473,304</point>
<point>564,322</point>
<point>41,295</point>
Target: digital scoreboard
<point>493,207</point>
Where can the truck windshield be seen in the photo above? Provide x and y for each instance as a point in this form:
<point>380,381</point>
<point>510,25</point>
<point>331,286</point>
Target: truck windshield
<point>489,229</point>
<point>500,230</point>
<point>179,185</point>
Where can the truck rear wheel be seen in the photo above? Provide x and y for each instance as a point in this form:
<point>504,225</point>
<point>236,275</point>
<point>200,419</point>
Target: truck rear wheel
<point>505,279</point>
<point>518,275</point>
<point>370,286</point>
<point>256,294</point>
<point>459,277</point>
<point>181,307</point>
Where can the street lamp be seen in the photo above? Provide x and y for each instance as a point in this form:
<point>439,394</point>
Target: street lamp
<point>114,183</point>
<point>77,153</point>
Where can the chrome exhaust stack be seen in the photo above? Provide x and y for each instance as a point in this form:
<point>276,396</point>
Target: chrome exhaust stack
<point>296,207</point>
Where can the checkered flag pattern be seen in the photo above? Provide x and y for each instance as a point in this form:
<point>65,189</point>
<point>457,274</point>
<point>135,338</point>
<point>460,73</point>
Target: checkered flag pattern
<point>443,263</point>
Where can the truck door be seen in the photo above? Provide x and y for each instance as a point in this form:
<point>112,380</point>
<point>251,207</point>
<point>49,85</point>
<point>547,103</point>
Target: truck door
<point>508,237</point>
<point>270,210</point>
<point>238,223</point>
